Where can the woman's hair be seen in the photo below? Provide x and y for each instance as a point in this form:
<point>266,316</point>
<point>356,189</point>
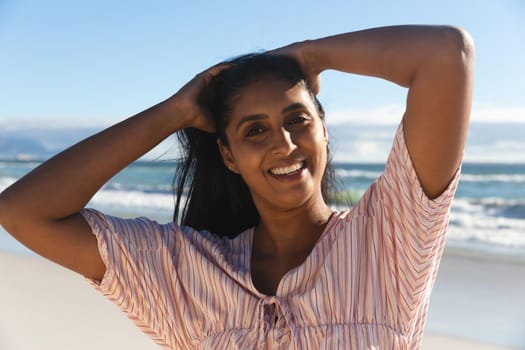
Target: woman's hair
<point>208,195</point>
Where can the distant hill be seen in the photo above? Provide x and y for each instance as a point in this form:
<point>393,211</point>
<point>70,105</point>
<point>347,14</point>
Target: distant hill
<point>12,147</point>
<point>37,143</point>
<point>41,143</point>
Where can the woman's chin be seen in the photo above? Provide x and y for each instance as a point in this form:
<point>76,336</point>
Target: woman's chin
<point>290,200</point>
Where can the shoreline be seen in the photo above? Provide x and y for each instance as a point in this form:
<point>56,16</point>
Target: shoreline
<point>58,307</point>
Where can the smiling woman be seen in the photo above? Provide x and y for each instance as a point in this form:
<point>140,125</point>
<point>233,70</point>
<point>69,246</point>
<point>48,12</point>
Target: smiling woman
<point>255,257</point>
<point>262,106</point>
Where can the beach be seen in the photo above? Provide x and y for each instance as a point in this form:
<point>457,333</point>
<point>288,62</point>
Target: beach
<point>44,306</point>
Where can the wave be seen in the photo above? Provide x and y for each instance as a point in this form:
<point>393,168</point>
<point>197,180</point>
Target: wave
<point>493,224</point>
<point>136,197</point>
<point>136,200</point>
<point>344,173</point>
<point>5,182</point>
<point>518,178</point>
<point>491,207</point>
<point>465,177</point>
<point>156,188</point>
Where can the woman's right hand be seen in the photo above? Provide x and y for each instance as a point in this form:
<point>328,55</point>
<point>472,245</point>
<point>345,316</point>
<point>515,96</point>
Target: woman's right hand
<point>301,52</point>
<point>186,103</point>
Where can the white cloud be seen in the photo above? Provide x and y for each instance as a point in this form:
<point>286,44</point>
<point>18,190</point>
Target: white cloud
<point>382,115</point>
<point>361,142</point>
<point>497,152</point>
<point>488,114</point>
<point>489,140</point>
<point>392,114</point>
<point>94,122</point>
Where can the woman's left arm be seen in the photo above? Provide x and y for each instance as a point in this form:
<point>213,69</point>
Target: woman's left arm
<point>436,63</point>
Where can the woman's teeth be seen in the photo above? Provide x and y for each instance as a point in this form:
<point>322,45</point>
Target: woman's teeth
<point>287,170</point>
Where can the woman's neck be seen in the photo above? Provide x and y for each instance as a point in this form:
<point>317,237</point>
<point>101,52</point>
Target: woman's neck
<point>290,233</point>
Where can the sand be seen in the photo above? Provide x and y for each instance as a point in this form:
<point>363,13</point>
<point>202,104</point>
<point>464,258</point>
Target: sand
<point>480,298</point>
<point>43,306</point>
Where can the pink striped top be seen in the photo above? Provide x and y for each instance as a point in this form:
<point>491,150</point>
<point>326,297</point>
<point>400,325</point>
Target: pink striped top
<point>365,285</point>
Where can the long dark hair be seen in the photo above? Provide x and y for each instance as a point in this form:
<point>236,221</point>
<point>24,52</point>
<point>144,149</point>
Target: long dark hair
<point>208,195</point>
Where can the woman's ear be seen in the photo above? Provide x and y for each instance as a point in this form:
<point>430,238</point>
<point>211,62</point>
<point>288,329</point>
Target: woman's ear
<point>227,157</point>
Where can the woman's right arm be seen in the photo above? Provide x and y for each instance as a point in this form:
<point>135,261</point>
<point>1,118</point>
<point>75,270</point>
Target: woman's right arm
<point>41,210</point>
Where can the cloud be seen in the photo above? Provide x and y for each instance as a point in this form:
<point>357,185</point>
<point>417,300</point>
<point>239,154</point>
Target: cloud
<point>360,142</point>
<point>95,122</point>
<point>392,114</point>
<point>488,114</point>
<point>382,115</point>
<point>497,152</point>
<point>486,142</point>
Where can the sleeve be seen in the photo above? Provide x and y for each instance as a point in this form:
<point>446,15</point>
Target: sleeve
<point>100,227</point>
<point>122,243</point>
<point>138,254</point>
<point>404,198</point>
<point>413,229</point>
<point>130,249</point>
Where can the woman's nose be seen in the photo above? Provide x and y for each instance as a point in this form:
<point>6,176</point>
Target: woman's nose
<point>283,142</point>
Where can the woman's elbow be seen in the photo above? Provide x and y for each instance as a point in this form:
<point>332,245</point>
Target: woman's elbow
<point>3,209</point>
<point>10,211</point>
<point>458,46</point>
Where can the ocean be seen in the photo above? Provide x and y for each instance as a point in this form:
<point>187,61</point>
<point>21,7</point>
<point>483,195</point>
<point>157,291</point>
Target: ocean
<point>487,215</point>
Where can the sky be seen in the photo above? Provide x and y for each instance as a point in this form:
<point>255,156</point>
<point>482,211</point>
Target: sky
<point>92,63</point>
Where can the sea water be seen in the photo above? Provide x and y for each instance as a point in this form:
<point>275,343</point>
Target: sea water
<point>487,215</point>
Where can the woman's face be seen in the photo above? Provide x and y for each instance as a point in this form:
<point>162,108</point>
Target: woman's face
<point>277,143</point>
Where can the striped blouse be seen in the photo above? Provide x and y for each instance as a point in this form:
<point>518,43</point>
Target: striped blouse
<point>365,285</point>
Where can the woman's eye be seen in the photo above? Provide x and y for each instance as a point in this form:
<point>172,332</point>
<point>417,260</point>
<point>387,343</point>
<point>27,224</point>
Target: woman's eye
<point>255,130</point>
<point>296,120</point>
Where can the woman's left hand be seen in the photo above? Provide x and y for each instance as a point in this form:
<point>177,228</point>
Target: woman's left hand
<point>186,101</point>
<point>301,51</point>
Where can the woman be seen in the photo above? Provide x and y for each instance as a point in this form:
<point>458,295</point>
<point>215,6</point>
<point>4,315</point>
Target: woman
<point>303,276</point>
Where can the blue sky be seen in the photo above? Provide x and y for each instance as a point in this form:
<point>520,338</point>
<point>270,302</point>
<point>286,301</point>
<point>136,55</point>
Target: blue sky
<point>92,63</point>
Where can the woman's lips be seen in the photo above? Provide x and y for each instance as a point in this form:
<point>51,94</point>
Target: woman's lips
<point>291,170</point>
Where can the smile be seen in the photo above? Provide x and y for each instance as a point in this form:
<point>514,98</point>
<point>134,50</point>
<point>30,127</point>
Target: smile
<point>289,170</point>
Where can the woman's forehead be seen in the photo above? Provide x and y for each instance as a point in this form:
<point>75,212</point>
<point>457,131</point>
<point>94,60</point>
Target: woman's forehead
<point>268,94</point>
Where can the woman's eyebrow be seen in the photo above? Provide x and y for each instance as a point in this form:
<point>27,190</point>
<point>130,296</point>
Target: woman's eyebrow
<point>249,118</point>
<point>294,106</point>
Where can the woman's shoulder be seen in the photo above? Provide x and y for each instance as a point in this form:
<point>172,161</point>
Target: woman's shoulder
<point>145,233</point>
